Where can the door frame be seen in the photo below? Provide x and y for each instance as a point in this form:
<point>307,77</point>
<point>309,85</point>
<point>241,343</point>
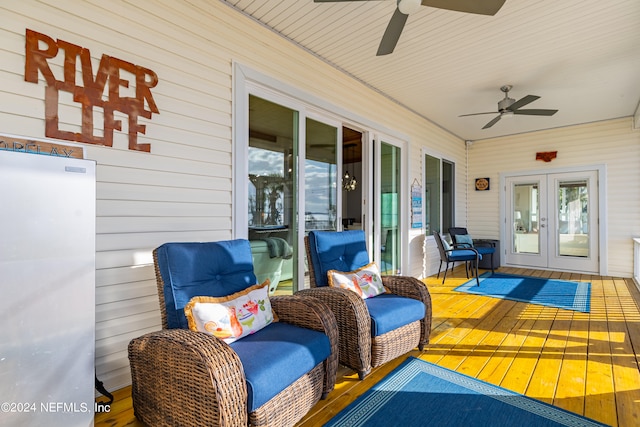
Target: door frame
<point>374,227</point>
<point>528,259</point>
<point>602,211</point>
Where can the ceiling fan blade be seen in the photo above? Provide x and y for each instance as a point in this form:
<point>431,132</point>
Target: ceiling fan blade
<point>492,122</point>
<point>535,112</point>
<point>522,102</point>
<point>486,7</point>
<point>477,114</point>
<point>392,33</point>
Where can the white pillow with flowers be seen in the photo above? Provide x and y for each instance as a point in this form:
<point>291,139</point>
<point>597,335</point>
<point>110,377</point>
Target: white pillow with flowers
<point>232,317</point>
<point>365,281</point>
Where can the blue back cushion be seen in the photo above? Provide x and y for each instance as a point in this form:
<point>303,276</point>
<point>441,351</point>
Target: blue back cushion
<point>332,250</point>
<point>192,269</point>
<point>464,239</point>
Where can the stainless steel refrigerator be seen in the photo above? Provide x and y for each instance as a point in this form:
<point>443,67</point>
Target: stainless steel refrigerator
<point>47,290</point>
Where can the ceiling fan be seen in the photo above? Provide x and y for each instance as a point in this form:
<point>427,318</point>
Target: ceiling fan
<point>509,106</point>
<point>406,7</point>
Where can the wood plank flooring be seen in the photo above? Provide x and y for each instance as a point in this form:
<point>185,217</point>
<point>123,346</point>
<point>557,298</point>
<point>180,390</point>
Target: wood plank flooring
<point>587,363</point>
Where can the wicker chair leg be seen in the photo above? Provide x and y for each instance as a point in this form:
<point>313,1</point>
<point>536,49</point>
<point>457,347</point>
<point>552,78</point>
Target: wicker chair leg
<point>363,373</point>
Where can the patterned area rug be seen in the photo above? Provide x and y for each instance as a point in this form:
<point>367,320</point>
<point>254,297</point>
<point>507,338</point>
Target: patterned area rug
<point>419,393</point>
<point>534,290</point>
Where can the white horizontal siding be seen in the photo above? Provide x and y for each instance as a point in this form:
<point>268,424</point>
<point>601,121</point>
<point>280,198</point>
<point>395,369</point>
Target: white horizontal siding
<point>611,143</point>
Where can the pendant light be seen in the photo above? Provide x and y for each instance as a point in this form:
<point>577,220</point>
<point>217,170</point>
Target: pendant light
<point>349,182</point>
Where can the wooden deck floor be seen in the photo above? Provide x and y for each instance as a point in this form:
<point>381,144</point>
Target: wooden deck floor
<point>587,363</point>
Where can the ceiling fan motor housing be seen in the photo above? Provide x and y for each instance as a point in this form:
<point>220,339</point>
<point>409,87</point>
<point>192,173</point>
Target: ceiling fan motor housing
<point>504,104</point>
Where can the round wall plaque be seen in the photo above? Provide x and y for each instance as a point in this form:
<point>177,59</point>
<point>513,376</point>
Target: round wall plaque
<point>482,184</point>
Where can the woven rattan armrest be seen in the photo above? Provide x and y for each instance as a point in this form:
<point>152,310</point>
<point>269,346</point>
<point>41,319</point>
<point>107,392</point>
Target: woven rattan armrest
<point>313,314</point>
<point>410,287</point>
<point>182,377</point>
<point>354,323</point>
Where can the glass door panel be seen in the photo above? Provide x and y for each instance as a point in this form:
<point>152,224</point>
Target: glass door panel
<point>321,171</point>
<point>390,208</point>
<point>574,221</point>
<point>321,176</point>
<point>272,193</point>
<point>526,221</point>
<point>432,195</point>
<point>525,211</point>
<point>573,218</point>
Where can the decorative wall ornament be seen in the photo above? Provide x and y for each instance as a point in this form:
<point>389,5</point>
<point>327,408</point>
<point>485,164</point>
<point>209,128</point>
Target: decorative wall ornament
<point>483,184</point>
<point>546,156</point>
<point>416,204</point>
<point>114,75</point>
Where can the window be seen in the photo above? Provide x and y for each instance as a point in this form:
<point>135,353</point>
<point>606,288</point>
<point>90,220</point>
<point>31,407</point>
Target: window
<point>439,196</point>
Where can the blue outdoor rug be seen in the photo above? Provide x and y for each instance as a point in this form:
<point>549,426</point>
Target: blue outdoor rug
<point>419,393</point>
<point>534,290</point>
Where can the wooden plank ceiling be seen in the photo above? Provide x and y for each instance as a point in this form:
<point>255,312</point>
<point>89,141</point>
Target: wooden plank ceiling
<point>581,56</point>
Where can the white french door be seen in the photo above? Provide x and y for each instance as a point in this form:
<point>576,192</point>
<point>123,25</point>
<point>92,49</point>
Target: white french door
<point>552,221</point>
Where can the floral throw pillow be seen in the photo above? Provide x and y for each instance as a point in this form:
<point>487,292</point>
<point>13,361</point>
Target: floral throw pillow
<point>365,281</point>
<point>232,317</point>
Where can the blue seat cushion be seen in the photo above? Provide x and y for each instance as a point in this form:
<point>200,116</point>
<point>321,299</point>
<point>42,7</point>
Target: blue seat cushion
<point>213,269</point>
<point>485,250</point>
<point>276,356</point>
<point>389,312</point>
<point>332,250</point>
<point>463,255</point>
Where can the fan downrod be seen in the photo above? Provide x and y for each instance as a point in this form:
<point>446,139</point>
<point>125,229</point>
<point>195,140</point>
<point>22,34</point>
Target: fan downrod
<point>503,105</point>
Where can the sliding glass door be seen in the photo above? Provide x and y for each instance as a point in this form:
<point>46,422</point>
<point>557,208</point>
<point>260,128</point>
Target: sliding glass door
<point>389,199</point>
<point>293,169</point>
<point>321,171</point>
<point>272,196</point>
<point>321,176</point>
<point>290,181</point>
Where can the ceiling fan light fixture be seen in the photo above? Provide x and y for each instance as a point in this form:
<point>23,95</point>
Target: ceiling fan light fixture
<point>508,114</point>
<point>409,6</point>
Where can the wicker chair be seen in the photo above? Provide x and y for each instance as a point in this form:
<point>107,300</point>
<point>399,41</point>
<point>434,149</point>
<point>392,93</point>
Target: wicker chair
<point>187,378</point>
<point>360,347</point>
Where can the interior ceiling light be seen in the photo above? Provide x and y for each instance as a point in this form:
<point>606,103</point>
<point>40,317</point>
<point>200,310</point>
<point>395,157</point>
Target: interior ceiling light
<point>349,182</point>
